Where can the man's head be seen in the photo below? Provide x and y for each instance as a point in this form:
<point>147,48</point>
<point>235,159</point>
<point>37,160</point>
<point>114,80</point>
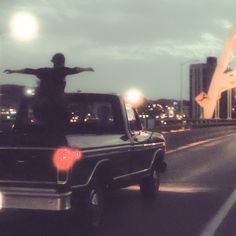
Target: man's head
<point>58,60</point>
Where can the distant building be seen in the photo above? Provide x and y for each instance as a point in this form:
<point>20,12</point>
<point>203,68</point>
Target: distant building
<point>200,79</point>
<point>186,108</point>
<point>11,95</point>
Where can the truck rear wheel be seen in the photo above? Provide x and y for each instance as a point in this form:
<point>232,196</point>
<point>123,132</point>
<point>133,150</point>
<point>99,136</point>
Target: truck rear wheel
<point>88,206</point>
<point>149,186</point>
<point>93,204</point>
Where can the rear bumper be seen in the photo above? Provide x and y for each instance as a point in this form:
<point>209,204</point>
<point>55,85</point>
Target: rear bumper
<point>34,199</point>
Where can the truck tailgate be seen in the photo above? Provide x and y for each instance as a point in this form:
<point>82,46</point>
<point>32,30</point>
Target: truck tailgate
<point>28,157</point>
<point>27,164</point>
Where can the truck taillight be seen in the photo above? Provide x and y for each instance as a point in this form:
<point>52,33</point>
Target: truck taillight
<point>64,158</point>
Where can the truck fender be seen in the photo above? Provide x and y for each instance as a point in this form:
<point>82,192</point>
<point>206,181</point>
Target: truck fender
<point>158,161</point>
<point>101,171</point>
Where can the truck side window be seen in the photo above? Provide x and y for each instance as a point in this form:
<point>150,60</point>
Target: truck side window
<point>133,120</point>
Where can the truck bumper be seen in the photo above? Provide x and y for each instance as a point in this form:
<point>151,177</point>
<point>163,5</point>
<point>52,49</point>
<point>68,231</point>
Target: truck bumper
<point>34,199</point>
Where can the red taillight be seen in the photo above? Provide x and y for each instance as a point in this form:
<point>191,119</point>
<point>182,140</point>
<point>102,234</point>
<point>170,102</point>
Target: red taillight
<point>64,158</point>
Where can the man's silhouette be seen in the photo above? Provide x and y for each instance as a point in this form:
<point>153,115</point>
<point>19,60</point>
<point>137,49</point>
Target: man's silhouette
<point>52,80</point>
<point>49,97</point>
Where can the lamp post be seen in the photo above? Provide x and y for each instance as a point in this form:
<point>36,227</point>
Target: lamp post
<point>181,81</point>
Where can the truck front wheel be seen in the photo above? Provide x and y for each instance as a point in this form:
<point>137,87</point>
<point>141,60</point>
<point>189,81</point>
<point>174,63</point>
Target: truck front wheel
<point>149,186</point>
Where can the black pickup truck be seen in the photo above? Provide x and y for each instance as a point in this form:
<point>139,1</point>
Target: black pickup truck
<point>103,146</point>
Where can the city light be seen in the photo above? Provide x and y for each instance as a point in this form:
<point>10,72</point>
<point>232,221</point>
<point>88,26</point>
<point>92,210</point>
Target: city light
<point>134,97</point>
<point>24,26</point>
<point>29,92</point>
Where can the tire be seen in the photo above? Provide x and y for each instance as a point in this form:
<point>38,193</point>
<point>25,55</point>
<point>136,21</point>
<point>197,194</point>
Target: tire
<point>93,205</point>
<point>149,186</point>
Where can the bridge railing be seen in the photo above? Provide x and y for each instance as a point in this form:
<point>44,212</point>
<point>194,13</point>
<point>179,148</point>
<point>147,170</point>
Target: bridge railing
<point>168,125</point>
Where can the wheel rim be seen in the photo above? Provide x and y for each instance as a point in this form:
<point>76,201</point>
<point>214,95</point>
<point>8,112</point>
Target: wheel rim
<point>155,177</point>
<point>95,208</point>
<point>94,198</point>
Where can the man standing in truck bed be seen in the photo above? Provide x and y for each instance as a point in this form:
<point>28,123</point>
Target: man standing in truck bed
<point>49,97</point>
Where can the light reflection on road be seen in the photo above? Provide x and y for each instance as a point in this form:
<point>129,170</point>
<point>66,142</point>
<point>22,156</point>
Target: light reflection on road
<point>179,188</point>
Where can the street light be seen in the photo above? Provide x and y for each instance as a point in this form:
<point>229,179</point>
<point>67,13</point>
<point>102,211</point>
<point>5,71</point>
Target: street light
<point>134,97</point>
<point>181,81</point>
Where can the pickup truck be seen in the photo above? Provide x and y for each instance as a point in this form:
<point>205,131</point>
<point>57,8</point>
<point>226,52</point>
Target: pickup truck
<point>103,146</point>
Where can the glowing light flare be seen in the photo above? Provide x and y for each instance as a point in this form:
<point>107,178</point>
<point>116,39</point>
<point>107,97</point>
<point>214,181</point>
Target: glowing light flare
<point>64,158</point>
<point>134,97</point>
<point>178,189</point>
<point>24,26</point>
<point>1,201</point>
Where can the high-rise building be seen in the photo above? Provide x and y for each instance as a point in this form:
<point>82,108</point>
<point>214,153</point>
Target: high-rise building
<point>200,79</point>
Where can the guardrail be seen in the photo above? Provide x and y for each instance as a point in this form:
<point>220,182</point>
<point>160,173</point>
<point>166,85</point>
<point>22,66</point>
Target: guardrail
<point>183,137</point>
<point>185,132</point>
<point>169,125</point>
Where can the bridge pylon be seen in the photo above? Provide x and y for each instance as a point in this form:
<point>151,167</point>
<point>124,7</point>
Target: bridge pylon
<point>224,78</point>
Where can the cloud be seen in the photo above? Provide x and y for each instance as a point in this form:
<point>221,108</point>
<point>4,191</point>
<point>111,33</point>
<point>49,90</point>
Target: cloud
<point>225,24</point>
<point>206,45</point>
<point>143,38</point>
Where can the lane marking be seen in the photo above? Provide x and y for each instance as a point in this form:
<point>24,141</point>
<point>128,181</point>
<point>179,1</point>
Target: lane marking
<point>216,221</point>
<point>198,143</point>
<point>212,144</point>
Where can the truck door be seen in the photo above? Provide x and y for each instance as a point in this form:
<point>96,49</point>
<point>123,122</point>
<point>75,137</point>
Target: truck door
<point>141,154</point>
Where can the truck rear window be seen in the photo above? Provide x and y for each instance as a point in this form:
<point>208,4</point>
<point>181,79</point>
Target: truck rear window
<point>83,115</point>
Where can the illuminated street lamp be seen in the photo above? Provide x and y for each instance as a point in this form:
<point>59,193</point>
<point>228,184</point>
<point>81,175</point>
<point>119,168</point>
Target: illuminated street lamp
<point>134,97</point>
<point>24,26</point>
<point>29,91</point>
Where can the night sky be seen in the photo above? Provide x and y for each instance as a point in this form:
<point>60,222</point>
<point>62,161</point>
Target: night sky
<point>130,43</point>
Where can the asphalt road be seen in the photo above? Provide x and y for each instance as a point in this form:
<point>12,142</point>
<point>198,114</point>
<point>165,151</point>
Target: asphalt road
<point>197,197</point>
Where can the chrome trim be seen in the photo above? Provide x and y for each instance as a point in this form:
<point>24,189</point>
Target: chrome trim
<point>107,153</point>
<point>27,182</point>
<point>62,181</point>
<point>134,173</point>
<point>124,148</point>
<point>97,152</point>
<point>118,147</point>
<point>27,148</point>
<point>90,177</point>
<point>27,189</point>
<point>154,144</point>
<point>122,176</point>
<point>93,153</point>
<point>154,157</point>
<point>35,199</point>
<point>141,147</point>
<point>141,171</point>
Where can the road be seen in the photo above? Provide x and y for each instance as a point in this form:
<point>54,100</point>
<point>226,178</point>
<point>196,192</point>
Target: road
<point>197,197</point>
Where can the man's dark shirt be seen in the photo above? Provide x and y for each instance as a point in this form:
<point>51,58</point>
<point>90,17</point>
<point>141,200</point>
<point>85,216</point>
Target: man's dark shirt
<point>52,80</point>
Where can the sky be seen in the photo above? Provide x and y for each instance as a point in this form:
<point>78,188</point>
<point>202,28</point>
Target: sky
<point>129,43</point>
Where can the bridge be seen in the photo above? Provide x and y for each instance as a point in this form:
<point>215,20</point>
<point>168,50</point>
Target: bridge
<point>189,131</point>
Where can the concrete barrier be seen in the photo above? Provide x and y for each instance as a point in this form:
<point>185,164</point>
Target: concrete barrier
<point>180,138</point>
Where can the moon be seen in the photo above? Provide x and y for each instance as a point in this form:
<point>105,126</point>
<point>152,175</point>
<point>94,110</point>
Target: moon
<point>24,26</point>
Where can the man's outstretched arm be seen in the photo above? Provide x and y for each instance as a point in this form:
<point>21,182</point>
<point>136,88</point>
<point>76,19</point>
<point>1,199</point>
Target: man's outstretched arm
<point>22,71</point>
<point>79,69</point>
<point>76,70</point>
